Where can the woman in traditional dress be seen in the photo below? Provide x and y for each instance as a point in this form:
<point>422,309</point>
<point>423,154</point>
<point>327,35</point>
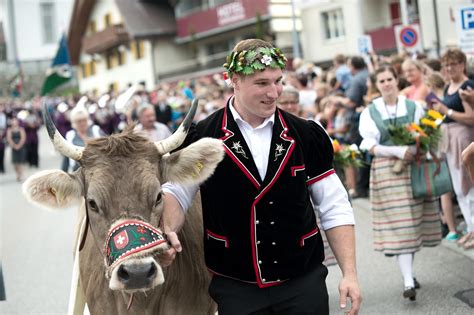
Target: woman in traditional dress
<point>401,224</point>
<point>458,133</point>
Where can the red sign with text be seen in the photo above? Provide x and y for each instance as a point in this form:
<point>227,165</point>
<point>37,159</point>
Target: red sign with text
<point>221,16</point>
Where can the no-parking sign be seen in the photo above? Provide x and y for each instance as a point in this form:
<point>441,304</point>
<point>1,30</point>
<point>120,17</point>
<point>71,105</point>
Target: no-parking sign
<point>465,28</point>
<point>408,37</point>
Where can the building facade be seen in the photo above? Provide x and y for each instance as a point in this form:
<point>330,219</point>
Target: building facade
<point>33,44</point>
<point>174,39</point>
<point>335,26</point>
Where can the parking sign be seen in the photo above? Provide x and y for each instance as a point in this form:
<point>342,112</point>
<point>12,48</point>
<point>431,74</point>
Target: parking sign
<point>465,28</point>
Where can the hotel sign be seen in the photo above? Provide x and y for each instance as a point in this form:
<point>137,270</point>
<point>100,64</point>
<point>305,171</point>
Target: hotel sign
<point>230,13</point>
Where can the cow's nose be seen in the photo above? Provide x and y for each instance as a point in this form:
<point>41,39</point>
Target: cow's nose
<point>136,275</point>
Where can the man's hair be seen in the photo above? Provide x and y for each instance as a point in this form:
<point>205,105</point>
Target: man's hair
<point>339,59</point>
<point>142,108</point>
<point>434,64</point>
<point>251,44</point>
<point>252,55</point>
<point>288,89</point>
<point>358,63</point>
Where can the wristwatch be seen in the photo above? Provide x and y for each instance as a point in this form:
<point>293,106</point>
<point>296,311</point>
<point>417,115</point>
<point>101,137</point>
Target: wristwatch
<point>450,112</point>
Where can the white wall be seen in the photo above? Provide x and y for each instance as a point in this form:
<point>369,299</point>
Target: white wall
<point>169,56</point>
<point>29,30</point>
<point>132,72</point>
<point>447,12</point>
<point>101,8</point>
<point>315,47</point>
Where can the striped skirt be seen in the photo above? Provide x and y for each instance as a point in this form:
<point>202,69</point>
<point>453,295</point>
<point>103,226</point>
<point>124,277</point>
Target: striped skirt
<point>401,224</point>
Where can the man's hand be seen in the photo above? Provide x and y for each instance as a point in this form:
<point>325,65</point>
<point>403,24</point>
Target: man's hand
<point>172,220</point>
<point>349,288</point>
<point>167,257</point>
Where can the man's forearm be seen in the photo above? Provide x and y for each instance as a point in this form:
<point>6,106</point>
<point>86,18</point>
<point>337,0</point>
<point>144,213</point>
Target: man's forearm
<point>342,242</point>
<point>173,214</point>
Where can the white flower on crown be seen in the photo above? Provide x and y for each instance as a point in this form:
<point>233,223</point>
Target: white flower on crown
<point>266,60</point>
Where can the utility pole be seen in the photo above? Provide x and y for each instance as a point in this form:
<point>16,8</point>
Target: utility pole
<point>296,41</point>
<point>404,12</point>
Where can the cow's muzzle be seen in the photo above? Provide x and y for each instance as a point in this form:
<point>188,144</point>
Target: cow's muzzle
<point>130,247</point>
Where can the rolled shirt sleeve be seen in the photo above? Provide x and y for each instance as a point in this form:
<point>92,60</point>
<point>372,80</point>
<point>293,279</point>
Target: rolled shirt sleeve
<point>183,194</point>
<point>330,198</point>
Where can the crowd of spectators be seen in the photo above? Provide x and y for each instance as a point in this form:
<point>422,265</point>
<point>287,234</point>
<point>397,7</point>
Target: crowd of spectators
<point>334,96</point>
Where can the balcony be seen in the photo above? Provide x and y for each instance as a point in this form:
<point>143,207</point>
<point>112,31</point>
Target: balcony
<point>112,36</point>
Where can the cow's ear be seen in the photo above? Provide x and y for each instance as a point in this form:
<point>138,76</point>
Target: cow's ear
<point>193,164</point>
<point>53,189</point>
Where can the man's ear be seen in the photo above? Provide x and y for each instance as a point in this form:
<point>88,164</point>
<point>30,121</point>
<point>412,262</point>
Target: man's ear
<point>235,81</point>
<point>53,189</point>
<point>193,164</point>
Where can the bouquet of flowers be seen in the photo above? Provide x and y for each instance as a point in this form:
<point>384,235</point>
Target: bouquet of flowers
<point>425,136</point>
<point>345,156</point>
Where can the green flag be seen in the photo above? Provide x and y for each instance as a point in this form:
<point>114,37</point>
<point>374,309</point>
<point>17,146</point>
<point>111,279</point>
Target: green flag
<point>60,70</point>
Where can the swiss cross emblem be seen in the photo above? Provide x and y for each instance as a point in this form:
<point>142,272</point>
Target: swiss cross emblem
<point>121,239</point>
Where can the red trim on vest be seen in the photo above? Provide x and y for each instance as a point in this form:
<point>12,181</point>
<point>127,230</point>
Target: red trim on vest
<point>308,235</point>
<point>319,177</point>
<point>284,136</point>
<point>228,134</point>
<point>218,237</point>
<point>295,169</point>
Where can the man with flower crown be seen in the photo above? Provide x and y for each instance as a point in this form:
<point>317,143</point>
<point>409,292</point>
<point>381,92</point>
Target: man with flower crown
<point>261,240</point>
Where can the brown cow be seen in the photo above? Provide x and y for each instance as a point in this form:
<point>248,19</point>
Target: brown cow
<point>119,188</point>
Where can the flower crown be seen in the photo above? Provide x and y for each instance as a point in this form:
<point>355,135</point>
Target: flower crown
<point>249,61</point>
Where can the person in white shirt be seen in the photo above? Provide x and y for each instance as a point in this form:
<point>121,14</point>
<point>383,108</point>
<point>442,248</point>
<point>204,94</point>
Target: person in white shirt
<point>148,126</point>
<point>261,242</point>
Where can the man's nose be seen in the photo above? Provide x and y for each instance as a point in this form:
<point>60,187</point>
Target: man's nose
<point>273,91</point>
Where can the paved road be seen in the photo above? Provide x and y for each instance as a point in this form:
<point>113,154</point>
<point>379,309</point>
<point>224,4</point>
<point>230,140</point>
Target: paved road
<point>36,254</point>
<point>36,246</point>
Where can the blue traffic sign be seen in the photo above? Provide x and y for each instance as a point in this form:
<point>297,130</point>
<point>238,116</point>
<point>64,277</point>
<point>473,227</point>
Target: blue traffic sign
<point>467,19</point>
<point>408,36</point>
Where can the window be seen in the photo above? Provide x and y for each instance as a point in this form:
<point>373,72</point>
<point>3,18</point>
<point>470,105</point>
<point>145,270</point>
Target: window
<point>137,48</point>
<point>107,20</point>
<point>92,27</point>
<point>333,24</point>
<point>3,52</point>
<point>93,67</point>
<point>48,22</point>
<point>111,59</point>
<point>121,55</point>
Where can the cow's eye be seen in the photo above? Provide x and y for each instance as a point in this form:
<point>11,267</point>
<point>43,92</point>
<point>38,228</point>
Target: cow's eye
<point>93,205</point>
<point>158,199</point>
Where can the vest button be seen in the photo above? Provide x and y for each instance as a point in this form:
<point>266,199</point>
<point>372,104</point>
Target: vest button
<point>275,262</point>
<point>259,262</point>
<point>273,243</point>
<point>270,203</point>
<point>257,222</point>
<point>263,280</point>
<point>272,223</point>
<point>258,242</point>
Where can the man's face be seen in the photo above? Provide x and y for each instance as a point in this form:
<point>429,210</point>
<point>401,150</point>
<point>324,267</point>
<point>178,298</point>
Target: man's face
<point>290,103</point>
<point>256,95</point>
<point>147,118</point>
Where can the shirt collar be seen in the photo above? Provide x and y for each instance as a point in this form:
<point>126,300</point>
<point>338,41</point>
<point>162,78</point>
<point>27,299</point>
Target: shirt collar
<point>269,121</point>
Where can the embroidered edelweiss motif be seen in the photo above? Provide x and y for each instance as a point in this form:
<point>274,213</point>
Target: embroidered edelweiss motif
<point>279,150</point>
<point>237,147</point>
<point>267,60</point>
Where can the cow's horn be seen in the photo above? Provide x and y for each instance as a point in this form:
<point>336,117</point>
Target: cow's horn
<point>64,147</point>
<point>177,138</point>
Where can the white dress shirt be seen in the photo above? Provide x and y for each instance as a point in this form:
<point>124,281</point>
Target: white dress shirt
<point>328,195</point>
